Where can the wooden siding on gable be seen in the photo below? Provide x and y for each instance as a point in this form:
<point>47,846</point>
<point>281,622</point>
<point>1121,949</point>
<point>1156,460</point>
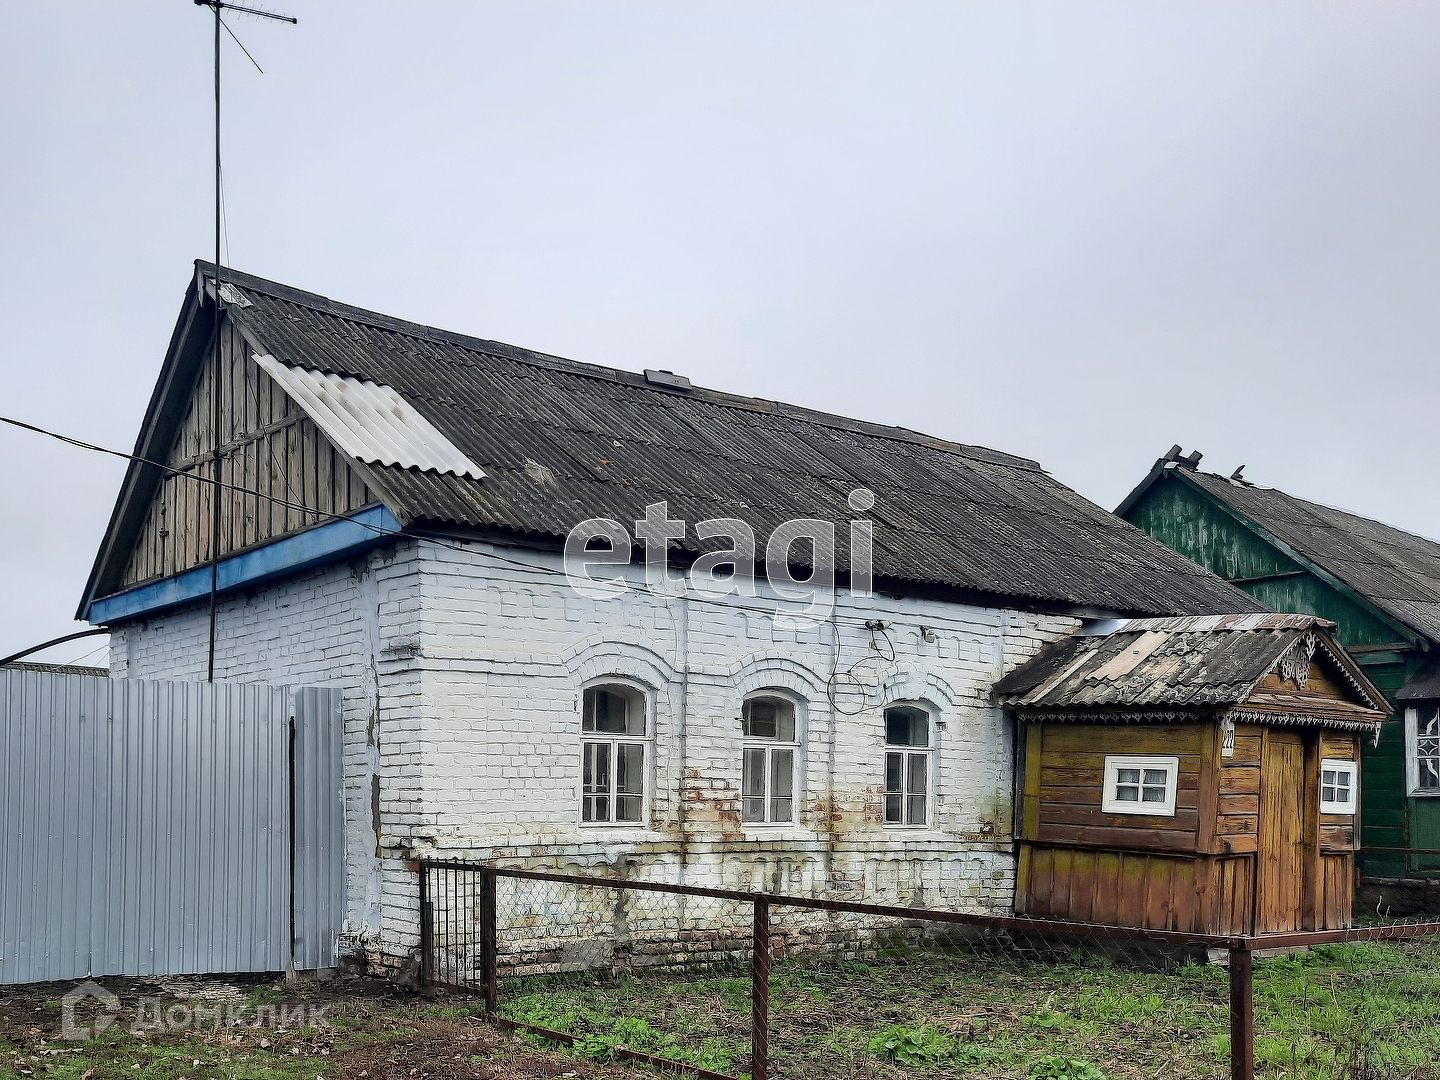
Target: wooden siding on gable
<point>268,447</point>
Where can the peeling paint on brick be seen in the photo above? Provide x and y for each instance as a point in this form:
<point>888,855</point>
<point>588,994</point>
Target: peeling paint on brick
<point>462,676</point>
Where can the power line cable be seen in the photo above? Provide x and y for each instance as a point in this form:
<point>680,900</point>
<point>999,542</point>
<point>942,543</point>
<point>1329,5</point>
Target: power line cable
<point>382,530</point>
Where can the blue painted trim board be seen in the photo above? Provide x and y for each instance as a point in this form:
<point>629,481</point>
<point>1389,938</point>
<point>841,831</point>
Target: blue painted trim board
<point>279,558</point>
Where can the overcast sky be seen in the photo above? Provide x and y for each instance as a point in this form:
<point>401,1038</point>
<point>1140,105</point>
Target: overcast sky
<point>1077,232</point>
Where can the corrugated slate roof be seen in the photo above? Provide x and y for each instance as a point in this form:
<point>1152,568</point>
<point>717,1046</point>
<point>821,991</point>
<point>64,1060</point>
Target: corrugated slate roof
<point>1178,663</point>
<point>561,441</point>
<point>1396,571</point>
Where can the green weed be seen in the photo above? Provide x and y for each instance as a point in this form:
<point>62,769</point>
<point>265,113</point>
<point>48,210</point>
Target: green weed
<point>1060,1067</point>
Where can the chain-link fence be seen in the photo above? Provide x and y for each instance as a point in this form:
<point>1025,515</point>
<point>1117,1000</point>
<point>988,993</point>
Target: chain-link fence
<point>838,989</point>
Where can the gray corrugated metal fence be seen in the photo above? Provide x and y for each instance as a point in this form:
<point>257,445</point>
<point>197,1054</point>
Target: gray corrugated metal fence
<point>145,827</point>
<point>319,866</point>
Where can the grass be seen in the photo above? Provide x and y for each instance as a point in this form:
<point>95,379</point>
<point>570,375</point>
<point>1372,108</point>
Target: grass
<point>1368,1011</point>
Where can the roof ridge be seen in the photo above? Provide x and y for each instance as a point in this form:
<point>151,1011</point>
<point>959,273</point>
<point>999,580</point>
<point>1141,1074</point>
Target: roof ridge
<point>520,354</point>
<point>1326,506</point>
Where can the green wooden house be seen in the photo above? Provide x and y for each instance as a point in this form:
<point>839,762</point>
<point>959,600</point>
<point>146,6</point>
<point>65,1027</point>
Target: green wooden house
<point>1381,586</point>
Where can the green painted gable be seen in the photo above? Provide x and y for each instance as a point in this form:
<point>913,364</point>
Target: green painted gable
<point>1183,517</point>
<point>1189,519</point>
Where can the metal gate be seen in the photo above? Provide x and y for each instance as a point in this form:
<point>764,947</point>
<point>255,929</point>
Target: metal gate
<point>152,828</point>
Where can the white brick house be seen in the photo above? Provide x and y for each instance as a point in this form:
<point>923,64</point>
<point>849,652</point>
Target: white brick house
<point>421,572</point>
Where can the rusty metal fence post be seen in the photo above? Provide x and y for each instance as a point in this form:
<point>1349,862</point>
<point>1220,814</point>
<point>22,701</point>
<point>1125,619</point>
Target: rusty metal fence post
<point>760,992</point>
<point>1242,1013</point>
<point>427,927</point>
<point>489,939</point>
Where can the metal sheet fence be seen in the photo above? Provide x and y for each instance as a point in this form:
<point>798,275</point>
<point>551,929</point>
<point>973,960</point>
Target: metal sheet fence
<point>672,975</point>
<point>145,826</point>
<point>318,864</point>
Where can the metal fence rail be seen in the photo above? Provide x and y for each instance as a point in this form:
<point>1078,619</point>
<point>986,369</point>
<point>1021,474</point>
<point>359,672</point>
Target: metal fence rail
<point>717,982</point>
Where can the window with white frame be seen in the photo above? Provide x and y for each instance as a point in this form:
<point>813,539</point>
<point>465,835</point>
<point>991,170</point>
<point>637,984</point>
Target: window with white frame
<point>907,766</point>
<point>1422,749</point>
<point>1337,786</point>
<point>769,755</point>
<point>1140,785</point>
<point>612,751</point>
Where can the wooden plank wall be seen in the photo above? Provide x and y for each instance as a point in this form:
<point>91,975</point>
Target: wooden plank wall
<point>1158,892</point>
<point>268,446</point>
<point>1239,807</point>
<point>1118,888</point>
<point>1234,891</point>
<point>1339,837</point>
<point>1338,875</point>
<point>1338,831</point>
<point>1071,773</point>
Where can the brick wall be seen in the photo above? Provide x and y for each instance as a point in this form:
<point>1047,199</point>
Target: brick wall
<point>463,675</point>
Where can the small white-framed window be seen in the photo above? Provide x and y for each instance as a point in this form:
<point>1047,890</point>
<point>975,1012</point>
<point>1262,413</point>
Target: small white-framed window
<point>1140,785</point>
<point>1422,750</point>
<point>769,757</point>
<point>613,741</point>
<point>908,769</point>
<point>1338,788</point>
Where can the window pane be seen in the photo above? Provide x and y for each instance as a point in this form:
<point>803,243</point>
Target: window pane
<point>893,806</point>
<point>894,767</point>
<point>918,774</point>
<point>759,714</point>
<point>1427,746</point>
<point>607,711</point>
<point>1156,776</point>
<point>629,769</point>
<point>627,807</point>
<point>1327,776</point>
<point>782,773</point>
<point>782,809</point>
<point>1128,776</point>
<point>1153,794</point>
<point>752,780</point>
<point>769,718</point>
<point>1127,793</point>
<point>905,726</point>
<point>915,810</point>
<point>597,767</point>
<point>752,809</point>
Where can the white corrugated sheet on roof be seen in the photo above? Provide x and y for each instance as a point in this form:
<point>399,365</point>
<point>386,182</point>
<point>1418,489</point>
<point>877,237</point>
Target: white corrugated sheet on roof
<point>369,421</point>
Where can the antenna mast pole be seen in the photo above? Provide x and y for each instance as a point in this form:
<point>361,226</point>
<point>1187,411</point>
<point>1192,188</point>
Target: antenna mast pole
<point>217,490</point>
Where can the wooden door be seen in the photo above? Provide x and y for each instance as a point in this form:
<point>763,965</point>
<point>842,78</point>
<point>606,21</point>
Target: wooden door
<point>1280,868</point>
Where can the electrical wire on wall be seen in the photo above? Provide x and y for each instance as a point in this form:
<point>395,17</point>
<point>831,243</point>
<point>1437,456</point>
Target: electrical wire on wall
<point>882,658</point>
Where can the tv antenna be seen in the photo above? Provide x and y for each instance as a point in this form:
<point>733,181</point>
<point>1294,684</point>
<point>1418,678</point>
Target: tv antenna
<point>217,6</point>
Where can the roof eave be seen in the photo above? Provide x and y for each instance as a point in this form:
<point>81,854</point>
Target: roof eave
<point>139,476</point>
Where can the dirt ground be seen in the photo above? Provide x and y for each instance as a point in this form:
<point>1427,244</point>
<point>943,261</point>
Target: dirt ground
<point>370,1030</point>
